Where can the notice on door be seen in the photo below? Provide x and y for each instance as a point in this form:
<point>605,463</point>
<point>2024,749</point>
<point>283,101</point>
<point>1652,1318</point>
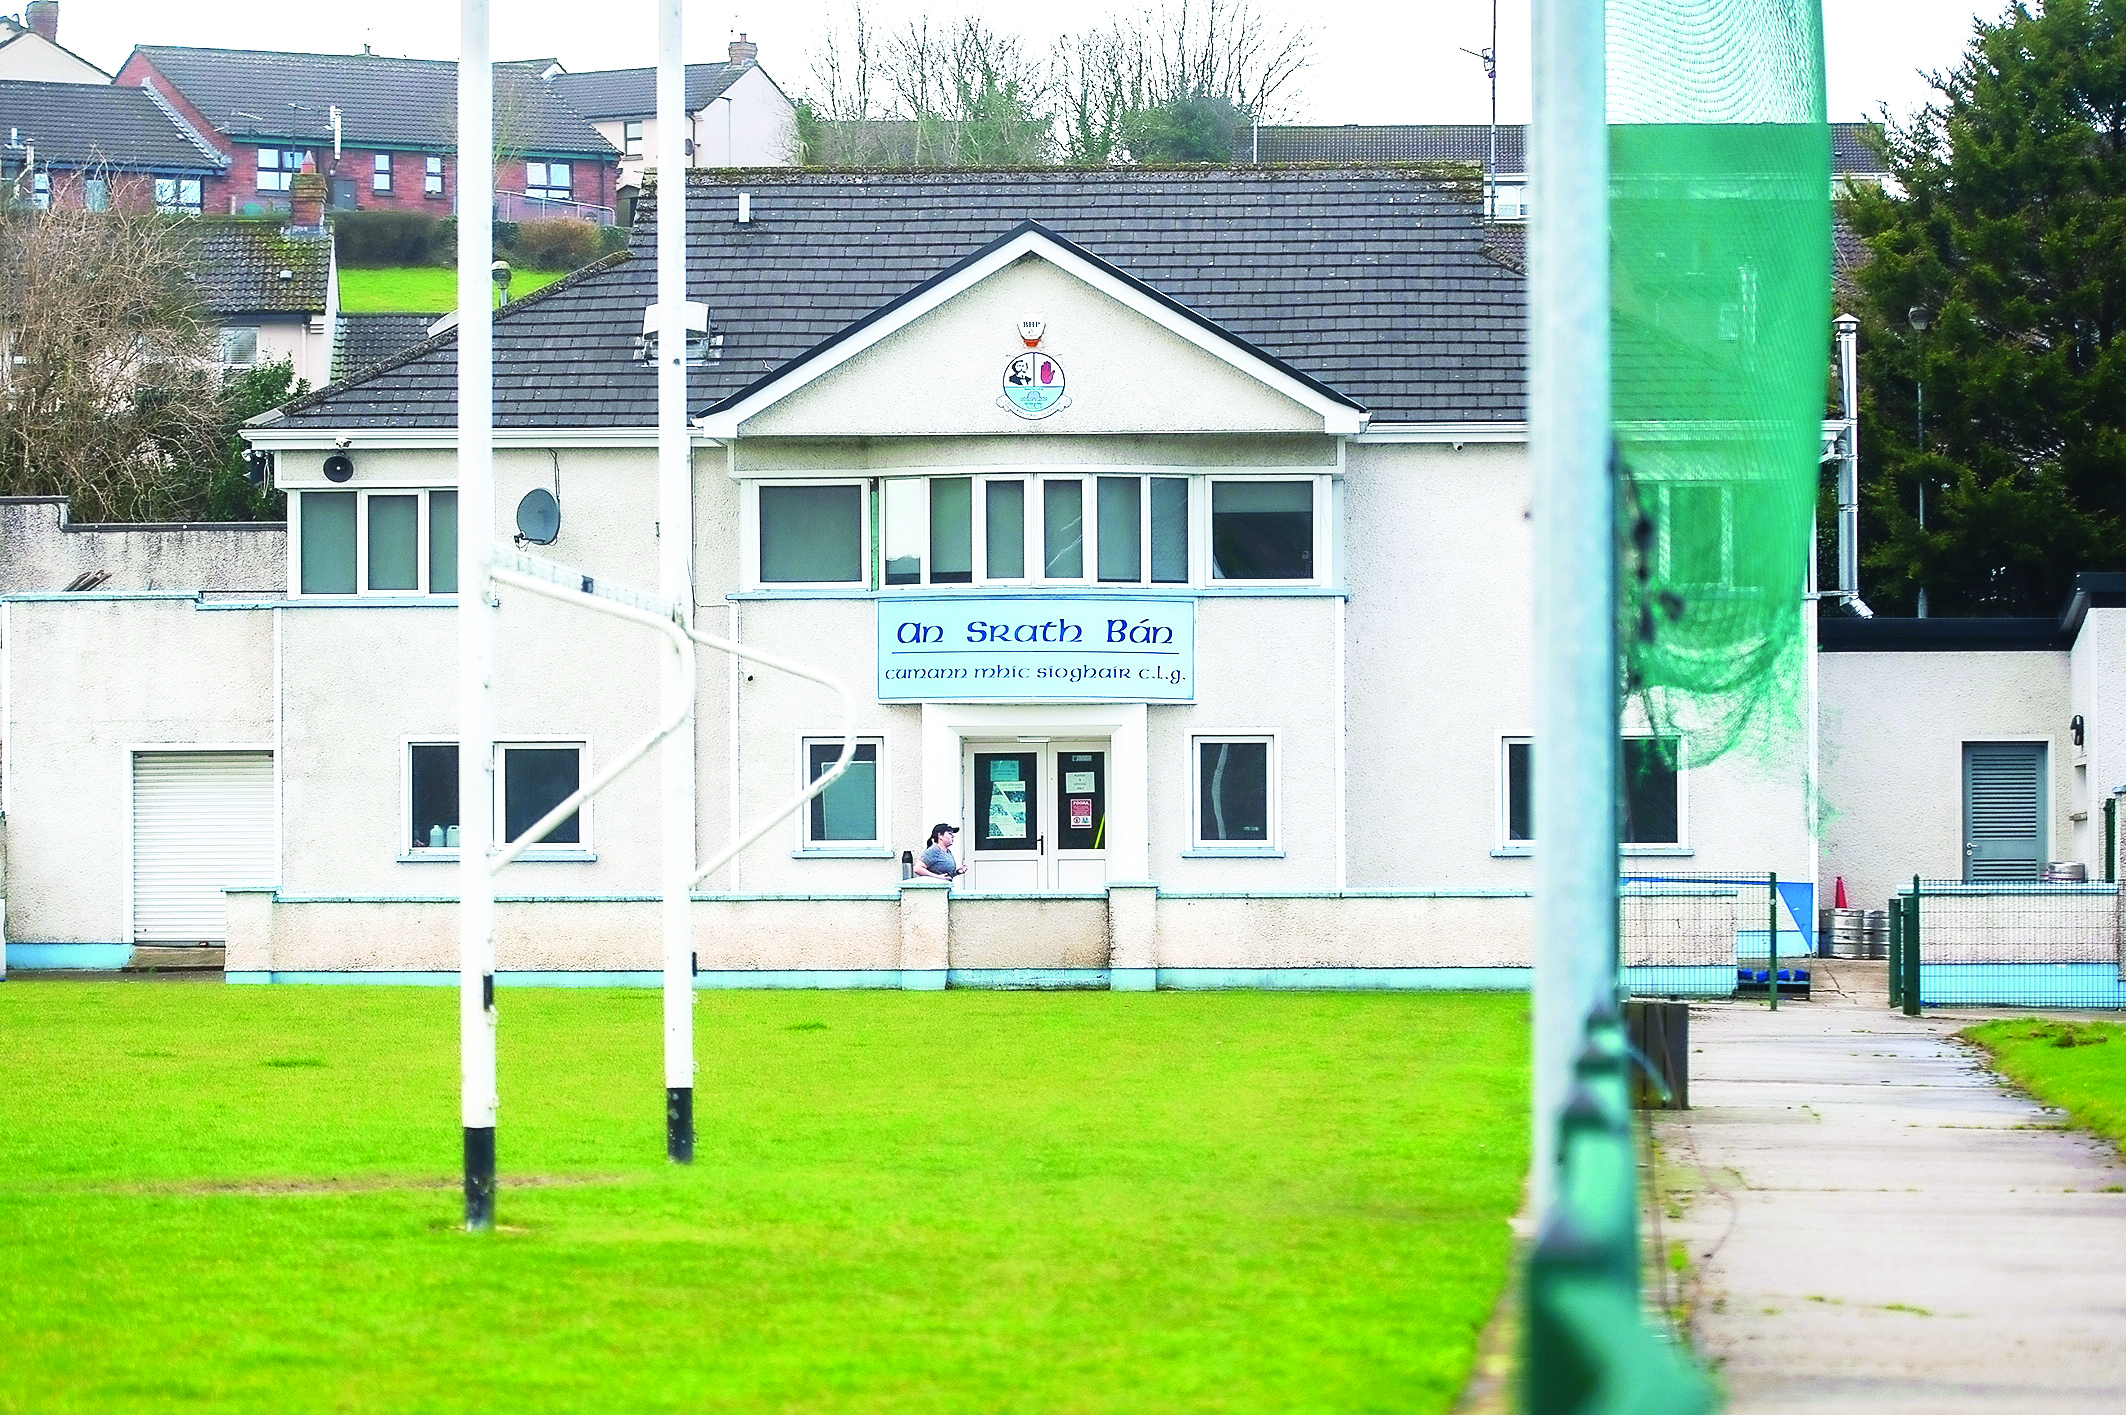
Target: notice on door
<point>1036,648</point>
<point>1081,813</point>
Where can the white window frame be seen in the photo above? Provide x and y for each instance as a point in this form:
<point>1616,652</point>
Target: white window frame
<point>1272,842</point>
<point>432,175</point>
<point>380,165</point>
<point>544,189</point>
<point>867,557</point>
<point>184,198</point>
<point>221,349</point>
<point>362,494</point>
<point>881,846</point>
<point>1033,545</point>
<point>41,189</point>
<point>631,137</point>
<point>1200,528</point>
<point>1509,846</point>
<point>569,853</point>
<point>281,176</point>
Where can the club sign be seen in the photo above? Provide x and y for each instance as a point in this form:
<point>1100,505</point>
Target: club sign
<point>1036,648</point>
<point>1033,385</point>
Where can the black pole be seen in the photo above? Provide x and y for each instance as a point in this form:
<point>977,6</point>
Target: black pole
<point>679,1124</point>
<point>479,1178</point>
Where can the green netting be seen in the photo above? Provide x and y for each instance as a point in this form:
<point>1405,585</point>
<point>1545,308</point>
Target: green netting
<point>1720,183</point>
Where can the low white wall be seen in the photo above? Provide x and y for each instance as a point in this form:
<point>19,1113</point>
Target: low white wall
<point>2040,925</point>
<point>41,552</point>
<point>868,933</point>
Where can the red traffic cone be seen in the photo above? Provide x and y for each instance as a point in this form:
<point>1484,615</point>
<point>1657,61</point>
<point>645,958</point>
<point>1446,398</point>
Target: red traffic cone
<point>1838,896</point>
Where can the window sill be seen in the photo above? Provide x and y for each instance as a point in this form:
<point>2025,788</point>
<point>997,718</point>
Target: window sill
<point>1233,852</point>
<point>1678,852</point>
<point>447,856</point>
<point>866,852</point>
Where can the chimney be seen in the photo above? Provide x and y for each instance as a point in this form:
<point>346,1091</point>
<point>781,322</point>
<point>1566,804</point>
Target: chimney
<point>43,17</point>
<point>741,51</point>
<point>306,199</point>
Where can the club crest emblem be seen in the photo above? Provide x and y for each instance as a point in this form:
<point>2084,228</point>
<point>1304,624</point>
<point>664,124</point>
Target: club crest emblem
<point>1033,386</point>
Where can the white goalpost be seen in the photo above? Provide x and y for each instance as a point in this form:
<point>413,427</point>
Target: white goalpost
<point>483,567</point>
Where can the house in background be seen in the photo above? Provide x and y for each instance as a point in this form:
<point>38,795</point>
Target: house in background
<point>271,291</point>
<point>736,115</point>
<point>30,49</point>
<point>1853,154</point>
<point>93,146</point>
<point>382,131</point>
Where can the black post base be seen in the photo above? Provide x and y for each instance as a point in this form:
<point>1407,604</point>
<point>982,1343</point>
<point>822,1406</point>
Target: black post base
<point>679,1124</point>
<point>479,1179</point>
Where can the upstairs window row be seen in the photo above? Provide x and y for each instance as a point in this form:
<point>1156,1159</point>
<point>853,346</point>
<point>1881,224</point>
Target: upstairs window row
<point>376,542</point>
<point>1051,530</point>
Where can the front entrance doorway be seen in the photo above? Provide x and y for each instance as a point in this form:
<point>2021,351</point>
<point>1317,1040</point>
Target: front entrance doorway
<point>1036,816</point>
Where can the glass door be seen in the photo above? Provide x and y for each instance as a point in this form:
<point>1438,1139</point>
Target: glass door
<point>1005,823</point>
<point>1080,796</point>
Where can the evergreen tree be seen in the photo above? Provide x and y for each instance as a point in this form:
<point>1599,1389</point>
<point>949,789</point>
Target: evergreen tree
<point>2010,239</point>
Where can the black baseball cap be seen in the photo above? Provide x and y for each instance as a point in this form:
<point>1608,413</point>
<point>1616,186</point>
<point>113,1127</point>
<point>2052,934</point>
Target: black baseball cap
<point>940,829</point>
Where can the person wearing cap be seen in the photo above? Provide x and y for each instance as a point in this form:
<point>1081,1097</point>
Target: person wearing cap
<point>937,861</point>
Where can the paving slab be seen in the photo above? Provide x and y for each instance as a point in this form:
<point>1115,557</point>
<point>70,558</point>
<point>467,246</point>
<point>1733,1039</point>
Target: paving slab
<point>1875,1223</point>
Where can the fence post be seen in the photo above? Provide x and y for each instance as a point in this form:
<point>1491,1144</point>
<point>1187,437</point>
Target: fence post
<point>1911,991</point>
<point>1897,950</point>
<point>1771,934</point>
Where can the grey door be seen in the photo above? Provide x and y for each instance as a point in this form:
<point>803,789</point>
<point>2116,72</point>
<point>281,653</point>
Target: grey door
<point>2004,810</point>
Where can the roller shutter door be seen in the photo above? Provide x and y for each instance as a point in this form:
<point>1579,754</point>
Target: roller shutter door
<point>201,821</point>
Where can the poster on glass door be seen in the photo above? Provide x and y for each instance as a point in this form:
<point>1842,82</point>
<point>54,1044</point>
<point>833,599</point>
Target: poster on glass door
<point>1036,649</point>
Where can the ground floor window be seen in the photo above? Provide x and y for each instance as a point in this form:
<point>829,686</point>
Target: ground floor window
<point>534,778</point>
<point>432,177</point>
<point>548,181</point>
<point>846,815</point>
<point>1235,792</point>
<point>377,542</point>
<point>380,172</point>
<point>1650,794</point>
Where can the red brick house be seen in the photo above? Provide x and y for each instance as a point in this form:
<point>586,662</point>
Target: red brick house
<point>382,131</point>
<point>101,148</point>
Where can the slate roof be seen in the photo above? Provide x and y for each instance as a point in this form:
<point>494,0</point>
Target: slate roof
<point>405,103</point>
<point>237,267</point>
<point>362,341</point>
<point>89,125</point>
<point>1851,151</point>
<point>632,93</point>
<point>1372,280</point>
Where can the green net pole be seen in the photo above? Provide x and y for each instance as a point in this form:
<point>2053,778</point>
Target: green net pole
<point>1911,974</point>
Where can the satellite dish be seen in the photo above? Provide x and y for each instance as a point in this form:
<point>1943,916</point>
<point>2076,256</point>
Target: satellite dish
<point>539,516</point>
<point>338,467</point>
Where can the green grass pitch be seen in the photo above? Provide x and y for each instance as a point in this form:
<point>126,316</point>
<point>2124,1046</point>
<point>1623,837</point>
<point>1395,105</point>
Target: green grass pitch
<point>239,1198</point>
<point>422,289</point>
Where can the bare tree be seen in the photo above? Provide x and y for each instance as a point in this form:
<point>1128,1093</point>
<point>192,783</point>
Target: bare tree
<point>109,391</point>
<point>1197,49</point>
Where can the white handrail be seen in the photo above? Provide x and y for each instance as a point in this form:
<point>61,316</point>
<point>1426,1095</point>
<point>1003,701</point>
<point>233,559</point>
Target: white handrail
<point>841,763</point>
<point>543,577</point>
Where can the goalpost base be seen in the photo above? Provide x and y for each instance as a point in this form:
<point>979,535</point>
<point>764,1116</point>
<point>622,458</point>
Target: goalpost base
<point>479,1178</point>
<point>679,1124</point>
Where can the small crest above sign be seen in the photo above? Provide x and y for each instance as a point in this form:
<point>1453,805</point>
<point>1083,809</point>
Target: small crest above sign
<point>1031,330</point>
<point>1033,386</point>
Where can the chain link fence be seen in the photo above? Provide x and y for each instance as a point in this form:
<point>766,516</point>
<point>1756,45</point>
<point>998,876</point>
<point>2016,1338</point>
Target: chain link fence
<point>2016,944</point>
<point>1684,934</point>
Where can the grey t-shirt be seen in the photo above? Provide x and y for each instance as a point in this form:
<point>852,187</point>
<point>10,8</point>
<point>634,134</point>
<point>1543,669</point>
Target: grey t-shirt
<point>938,860</point>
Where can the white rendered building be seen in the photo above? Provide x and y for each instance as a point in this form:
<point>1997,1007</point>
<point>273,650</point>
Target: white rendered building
<point>1173,528</point>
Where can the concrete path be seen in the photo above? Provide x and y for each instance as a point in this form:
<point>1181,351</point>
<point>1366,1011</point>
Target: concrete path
<point>1876,1225</point>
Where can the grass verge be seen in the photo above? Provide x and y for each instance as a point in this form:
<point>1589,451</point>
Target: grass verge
<point>2078,1067</point>
<point>421,289</point>
<point>241,1198</point>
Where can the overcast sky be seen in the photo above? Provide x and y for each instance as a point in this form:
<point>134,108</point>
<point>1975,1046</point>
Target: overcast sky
<point>1376,61</point>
